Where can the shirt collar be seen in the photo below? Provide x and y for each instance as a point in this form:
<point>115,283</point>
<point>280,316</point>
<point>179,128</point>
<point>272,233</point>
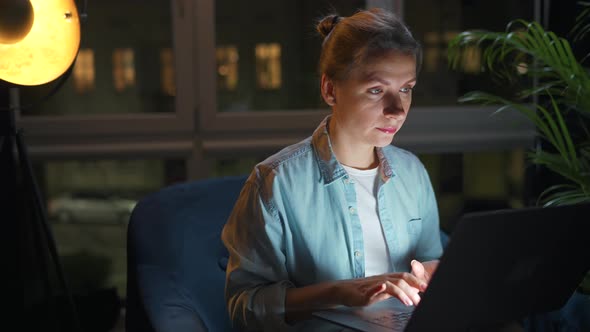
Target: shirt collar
<point>330,168</point>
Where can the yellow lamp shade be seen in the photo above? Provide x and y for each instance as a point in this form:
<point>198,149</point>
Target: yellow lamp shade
<point>49,48</point>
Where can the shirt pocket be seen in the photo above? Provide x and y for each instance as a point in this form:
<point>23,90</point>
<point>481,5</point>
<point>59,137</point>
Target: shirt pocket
<point>415,226</point>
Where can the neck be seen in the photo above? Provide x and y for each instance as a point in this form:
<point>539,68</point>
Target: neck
<point>350,152</point>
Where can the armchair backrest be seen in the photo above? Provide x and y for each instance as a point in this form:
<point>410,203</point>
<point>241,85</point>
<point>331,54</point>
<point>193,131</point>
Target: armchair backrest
<point>176,260</point>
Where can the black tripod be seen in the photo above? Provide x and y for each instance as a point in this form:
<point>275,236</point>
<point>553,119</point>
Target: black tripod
<point>30,233</point>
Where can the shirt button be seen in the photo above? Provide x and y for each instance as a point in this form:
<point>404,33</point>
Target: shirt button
<point>351,210</point>
<point>346,181</point>
<point>358,253</point>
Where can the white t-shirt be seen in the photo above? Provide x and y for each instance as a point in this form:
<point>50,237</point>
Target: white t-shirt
<point>376,254</point>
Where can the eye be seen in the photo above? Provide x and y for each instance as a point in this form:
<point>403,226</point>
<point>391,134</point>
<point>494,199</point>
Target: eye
<point>375,91</point>
<point>406,89</point>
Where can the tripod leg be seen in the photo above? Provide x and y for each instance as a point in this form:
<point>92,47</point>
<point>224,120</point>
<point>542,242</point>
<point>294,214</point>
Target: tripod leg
<point>41,213</point>
<point>11,228</point>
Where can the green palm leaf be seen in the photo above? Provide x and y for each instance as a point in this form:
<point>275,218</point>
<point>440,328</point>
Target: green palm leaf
<point>563,82</point>
<point>553,61</point>
<point>563,195</point>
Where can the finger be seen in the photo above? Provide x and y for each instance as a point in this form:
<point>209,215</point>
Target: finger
<point>412,280</point>
<point>429,268</point>
<point>427,278</point>
<point>376,294</point>
<point>418,269</point>
<point>395,291</point>
<point>404,292</point>
<point>409,290</point>
<point>380,288</point>
<point>378,291</point>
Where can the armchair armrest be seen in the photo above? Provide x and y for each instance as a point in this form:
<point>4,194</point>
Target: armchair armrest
<point>166,302</point>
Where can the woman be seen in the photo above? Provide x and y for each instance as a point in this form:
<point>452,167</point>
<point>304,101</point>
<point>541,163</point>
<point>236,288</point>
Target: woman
<point>343,217</point>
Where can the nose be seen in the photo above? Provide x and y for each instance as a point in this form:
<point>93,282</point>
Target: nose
<point>393,106</point>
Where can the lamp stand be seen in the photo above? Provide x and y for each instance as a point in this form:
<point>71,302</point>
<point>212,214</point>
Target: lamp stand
<point>21,180</point>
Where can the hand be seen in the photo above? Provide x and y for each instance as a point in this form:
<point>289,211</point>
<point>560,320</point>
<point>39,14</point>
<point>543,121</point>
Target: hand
<point>423,271</point>
<point>366,291</point>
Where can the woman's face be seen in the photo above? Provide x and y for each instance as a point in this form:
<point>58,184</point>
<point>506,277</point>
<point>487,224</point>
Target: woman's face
<point>371,105</point>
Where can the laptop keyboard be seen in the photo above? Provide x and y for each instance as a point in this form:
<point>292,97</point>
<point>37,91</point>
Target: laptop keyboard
<point>392,320</point>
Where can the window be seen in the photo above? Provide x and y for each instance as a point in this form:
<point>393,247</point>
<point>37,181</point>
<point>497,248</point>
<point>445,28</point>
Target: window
<point>123,69</point>
<point>293,109</point>
<point>476,181</point>
<point>84,71</point>
<point>235,166</point>
<point>435,23</point>
<point>278,51</point>
<point>472,60</point>
<point>118,67</point>
<point>268,66</point>
<point>227,67</point>
<point>89,203</point>
<point>167,79</point>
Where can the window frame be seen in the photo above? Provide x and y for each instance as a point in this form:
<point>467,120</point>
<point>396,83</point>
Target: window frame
<point>114,135</point>
<point>431,129</point>
<point>198,133</point>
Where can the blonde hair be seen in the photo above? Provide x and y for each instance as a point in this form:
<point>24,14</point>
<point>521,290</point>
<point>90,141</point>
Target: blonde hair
<point>352,41</point>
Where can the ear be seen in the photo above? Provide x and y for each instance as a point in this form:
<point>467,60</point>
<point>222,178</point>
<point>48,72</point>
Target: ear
<point>327,89</point>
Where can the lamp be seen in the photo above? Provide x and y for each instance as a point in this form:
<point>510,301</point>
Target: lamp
<point>39,40</point>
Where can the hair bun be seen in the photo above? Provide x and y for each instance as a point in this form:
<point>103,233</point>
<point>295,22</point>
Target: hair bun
<point>327,24</point>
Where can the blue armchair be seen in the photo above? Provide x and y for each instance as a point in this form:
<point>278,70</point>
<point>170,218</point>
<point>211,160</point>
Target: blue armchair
<point>176,261</point>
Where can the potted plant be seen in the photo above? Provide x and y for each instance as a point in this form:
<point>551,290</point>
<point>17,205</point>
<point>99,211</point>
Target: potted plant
<point>562,112</point>
<point>552,89</point>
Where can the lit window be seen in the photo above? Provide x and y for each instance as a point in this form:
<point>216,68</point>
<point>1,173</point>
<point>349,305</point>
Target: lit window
<point>167,72</point>
<point>471,59</point>
<point>84,71</point>
<point>268,66</point>
<point>227,67</point>
<point>123,69</point>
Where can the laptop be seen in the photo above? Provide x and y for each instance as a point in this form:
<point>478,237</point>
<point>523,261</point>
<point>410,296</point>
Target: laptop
<point>499,267</point>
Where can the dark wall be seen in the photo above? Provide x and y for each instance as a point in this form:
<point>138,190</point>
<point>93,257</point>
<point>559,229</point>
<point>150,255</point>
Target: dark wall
<point>561,21</point>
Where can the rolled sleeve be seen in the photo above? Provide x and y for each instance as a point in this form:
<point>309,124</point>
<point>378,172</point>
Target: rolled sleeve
<point>256,279</point>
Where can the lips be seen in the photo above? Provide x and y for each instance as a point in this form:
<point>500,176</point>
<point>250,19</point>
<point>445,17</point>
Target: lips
<point>388,130</point>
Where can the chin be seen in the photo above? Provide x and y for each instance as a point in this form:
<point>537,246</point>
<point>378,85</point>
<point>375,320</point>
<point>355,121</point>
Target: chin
<point>383,142</point>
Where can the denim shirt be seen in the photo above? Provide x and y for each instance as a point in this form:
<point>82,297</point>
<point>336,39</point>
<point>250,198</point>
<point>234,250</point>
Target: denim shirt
<point>296,224</point>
